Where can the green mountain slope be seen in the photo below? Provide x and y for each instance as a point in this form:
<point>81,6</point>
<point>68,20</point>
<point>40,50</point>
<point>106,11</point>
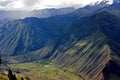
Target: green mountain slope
<point>89,45</point>
<point>30,34</point>
<point>84,48</point>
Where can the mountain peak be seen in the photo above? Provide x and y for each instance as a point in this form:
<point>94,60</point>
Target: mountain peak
<point>103,2</point>
<point>116,4</point>
<point>116,1</point>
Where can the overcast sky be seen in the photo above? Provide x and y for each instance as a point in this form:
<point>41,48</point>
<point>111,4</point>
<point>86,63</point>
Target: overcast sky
<point>41,4</point>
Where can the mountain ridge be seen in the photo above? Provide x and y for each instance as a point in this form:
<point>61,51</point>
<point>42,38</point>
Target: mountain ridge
<point>84,44</point>
<point>66,57</point>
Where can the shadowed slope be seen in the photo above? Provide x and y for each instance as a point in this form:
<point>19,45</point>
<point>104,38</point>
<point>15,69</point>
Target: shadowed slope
<point>30,34</point>
<point>86,48</point>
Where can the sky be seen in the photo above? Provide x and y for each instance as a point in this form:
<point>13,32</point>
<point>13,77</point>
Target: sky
<point>42,4</point>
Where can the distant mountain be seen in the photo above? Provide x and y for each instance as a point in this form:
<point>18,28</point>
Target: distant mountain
<point>45,13</point>
<point>11,15</point>
<point>91,8</point>
<point>85,42</point>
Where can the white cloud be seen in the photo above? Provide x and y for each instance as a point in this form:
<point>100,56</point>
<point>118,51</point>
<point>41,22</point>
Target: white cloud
<point>18,4</point>
<point>41,4</point>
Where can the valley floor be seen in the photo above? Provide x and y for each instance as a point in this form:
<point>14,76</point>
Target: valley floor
<point>37,71</point>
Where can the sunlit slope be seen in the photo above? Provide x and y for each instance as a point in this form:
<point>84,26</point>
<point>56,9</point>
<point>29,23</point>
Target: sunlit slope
<point>86,48</point>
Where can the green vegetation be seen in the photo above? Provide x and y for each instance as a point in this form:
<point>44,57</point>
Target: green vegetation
<point>81,43</point>
<point>39,71</point>
<point>3,77</point>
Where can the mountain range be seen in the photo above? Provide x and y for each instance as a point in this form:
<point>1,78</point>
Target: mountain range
<point>85,42</point>
<point>44,13</point>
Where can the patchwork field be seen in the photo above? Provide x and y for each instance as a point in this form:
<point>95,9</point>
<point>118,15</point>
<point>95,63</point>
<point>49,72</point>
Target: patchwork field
<point>38,71</point>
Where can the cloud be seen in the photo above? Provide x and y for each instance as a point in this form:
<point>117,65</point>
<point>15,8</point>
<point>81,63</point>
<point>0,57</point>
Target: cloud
<point>64,3</point>
<point>60,3</point>
<point>30,3</point>
<point>41,4</point>
<point>5,3</point>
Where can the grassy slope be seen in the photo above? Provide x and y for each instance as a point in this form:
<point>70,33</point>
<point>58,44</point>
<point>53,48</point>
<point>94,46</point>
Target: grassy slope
<point>39,71</point>
<point>3,77</point>
<point>83,54</point>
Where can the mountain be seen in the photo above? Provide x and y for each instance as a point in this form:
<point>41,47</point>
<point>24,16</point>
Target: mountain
<point>11,15</point>
<point>89,45</point>
<point>85,42</point>
<point>92,8</point>
<point>45,13</point>
<point>89,48</point>
<point>30,34</point>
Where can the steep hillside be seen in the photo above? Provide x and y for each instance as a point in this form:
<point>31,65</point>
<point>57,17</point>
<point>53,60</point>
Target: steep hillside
<point>85,42</point>
<point>23,36</point>
<point>30,34</point>
<point>89,45</point>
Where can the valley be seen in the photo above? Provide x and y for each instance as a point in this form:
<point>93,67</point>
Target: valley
<point>38,71</point>
<point>83,44</point>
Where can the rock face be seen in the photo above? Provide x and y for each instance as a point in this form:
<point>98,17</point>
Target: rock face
<point>86,44</point>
